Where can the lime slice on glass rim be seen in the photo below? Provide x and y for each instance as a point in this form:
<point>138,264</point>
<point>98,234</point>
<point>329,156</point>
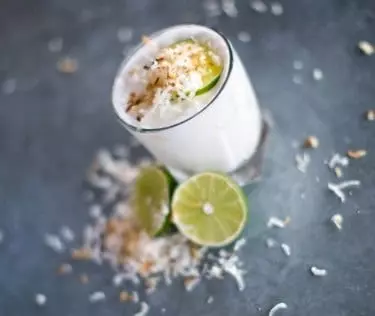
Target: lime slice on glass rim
<point>151,199</point>
<point>208,68</point>
<point>210,209</point>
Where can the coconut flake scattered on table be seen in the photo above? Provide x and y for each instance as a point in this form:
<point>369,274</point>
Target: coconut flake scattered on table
<point>258,6</point>
<point>277,8</point>
<point>297,79</point>
<point>124,34</point>
<point>318,272</point>
<point>366,48</point>
<point>270,242</point>
<point>337,220</point>
<point>40,299</point>
<point>297,65</point>
<point>55,45</point>
<point>277,222</point>
<point>229,8</point>
<point>67,234</point>
<point>317,74</point>
<point>54,242</point>
<point>97,297</point>
<point>143,310</point>
<point>244,37</point>
<point>286,249</point>
<point>9,86</point>
<point>276,308</point>
<point>212,8</point>
<point>337,189</point>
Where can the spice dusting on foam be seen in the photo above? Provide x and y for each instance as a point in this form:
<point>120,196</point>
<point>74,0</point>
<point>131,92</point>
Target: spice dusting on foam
<point>170,81</point>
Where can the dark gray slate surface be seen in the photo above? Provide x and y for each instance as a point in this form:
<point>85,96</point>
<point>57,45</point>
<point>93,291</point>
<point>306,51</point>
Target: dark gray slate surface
<point>53,124</point>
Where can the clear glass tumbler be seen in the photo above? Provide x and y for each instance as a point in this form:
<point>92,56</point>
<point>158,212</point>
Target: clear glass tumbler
<point>227,134</point>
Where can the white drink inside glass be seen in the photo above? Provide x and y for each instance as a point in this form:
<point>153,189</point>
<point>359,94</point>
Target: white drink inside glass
<point>217,131</point>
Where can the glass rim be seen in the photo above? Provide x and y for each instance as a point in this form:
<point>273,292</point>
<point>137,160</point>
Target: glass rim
<point>206,106</point>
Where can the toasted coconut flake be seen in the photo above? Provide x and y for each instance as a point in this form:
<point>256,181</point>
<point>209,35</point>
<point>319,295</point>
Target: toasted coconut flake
<point>337,220</point>
<point>81,254</point>
<point>338,172</point>
<point>277,307</point>
<point>318,272</point>
<point>357,154</point>
<point>67,65</point>
<point>311,142</point>
<point>124,296</point>
<point>191,282</point>
<point>65,268</point>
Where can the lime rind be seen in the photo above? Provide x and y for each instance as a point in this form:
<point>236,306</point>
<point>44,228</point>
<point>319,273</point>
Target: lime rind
<point>151,200</point>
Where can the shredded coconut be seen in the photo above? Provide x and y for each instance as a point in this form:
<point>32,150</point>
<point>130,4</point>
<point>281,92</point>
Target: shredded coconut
<point>229,8</point>
<point>302,162</point>
<point>275,222</point>
<point>40,299</point>
<point>276,308</point>
<point>239,244</point>
<point>9,86</point>
<point>244,37</point>
<point>54,242</point>
<point>297,79</point>
<point>97,297</point>
<point>338,188</point>
<point>297,65</point>
<point>258,6</point>
<point>55,45</point>
<point>277,8</point>
<point>366,48</point>
<point>124,34</point>
<point>212,8</point>
<point>210,300</point>
<point>144,309</point>
<point>338,160</point>
<point>286,249</point>
<point>318,272</point>
<point>337,220</point>
<point>270,242</point>
<point>317,74</point>
<point>67,234</point>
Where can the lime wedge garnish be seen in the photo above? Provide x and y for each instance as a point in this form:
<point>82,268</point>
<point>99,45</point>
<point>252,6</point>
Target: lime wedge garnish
<point>209,69</point>
<point>151,197</point>
<point>209,209</point>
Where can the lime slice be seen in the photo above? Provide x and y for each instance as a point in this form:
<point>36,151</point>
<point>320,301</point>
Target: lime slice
<point>151,198</point>
<point>209,69</point>
<point>209,209</point>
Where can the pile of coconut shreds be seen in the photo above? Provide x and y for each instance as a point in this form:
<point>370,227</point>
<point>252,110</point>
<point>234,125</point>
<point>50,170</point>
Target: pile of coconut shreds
<point>173,76</point>
<point>118,239</point>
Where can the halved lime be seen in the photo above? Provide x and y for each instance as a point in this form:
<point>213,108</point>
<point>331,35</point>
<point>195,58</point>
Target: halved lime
<point>210,209</point>
<point>151,197</point>
<point>209,68</point>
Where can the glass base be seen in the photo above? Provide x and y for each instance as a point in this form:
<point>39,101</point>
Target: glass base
<point>248,172</point>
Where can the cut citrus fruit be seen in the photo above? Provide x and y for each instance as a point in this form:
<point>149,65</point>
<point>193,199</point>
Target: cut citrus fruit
<point>207,66</point>
<point>210,209</point>
<point>151,198</point>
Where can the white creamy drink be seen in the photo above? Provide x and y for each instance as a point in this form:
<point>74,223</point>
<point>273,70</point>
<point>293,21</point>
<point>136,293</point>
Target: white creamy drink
<point>185,95</point>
